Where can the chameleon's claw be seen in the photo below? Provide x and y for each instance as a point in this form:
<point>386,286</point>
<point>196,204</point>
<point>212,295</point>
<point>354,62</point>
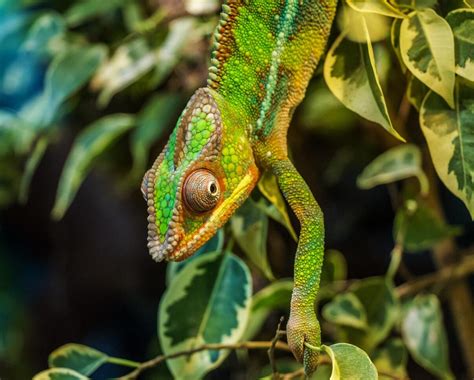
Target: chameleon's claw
<point>304,328</point>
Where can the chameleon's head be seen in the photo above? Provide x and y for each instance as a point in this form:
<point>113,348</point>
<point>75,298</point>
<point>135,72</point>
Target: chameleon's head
<point>204,173</point>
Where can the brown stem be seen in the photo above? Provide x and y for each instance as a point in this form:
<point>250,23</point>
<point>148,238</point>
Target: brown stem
<point>279,345</point>
<point>271,351</point>
<point>446,275</point>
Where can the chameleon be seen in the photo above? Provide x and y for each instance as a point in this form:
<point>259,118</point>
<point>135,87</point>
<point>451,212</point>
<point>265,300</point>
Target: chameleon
<point>234,129</point>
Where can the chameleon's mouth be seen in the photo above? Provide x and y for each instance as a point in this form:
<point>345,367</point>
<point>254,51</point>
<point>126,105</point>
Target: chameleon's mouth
<point>176,246</point>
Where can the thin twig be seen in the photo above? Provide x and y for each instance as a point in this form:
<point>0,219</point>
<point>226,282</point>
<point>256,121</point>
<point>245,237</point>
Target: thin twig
<point>271,351</point>
<point>237,346</point>
<point>448,274</point>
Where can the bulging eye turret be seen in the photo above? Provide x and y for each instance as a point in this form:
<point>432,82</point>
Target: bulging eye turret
<point>201,191</point>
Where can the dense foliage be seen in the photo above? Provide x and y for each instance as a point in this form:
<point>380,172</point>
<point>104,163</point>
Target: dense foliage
<point>89,53</point>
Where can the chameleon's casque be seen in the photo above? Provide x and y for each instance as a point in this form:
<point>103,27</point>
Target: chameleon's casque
<point>264,54</point>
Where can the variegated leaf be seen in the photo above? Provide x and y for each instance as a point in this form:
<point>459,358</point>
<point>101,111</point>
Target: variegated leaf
<point>207,302</point>
<point>450,137</point>
<point>59,374</point>
<point>427,48</point>
<point>391,358</point>
<point>82,359</point>
<point>382,7</point>
<point>350,73</point>
<point>462,24</point>
<point>424,335</point>
<point>360,27</point>
<point>346,310</point>
<point>416,92</point>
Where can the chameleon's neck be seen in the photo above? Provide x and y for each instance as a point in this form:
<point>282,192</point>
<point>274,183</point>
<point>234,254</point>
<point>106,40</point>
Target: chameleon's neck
<point>264,54</point>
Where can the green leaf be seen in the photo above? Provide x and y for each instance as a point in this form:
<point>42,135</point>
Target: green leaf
<point>66,74</point>
<point>268,186</point>
<point>424,335</point>
<point>391,358</point>
<point>350,363</point>
<point>152,121</point>
<point>362,27</point>
<point>30,168</point>
<point>85,360</point>
<point>334,267</point>
<point>90,143</point>
<point>421,227</point>
<point>275,296</point>
<point>59,374</point>
<point>381,7</point>
<point>346,310</point>
<point>462,24</point>
<point>427,47</point>
<point>401,162</point>
<point>377,296</point>
<point>416,92</point>
<point>350,73</point>
<point>450,137</point>
<point>250,228</point>
<point>44,30</point>
<point>217,288</point>
<point>215,244</point>
<point>85,10</point>
<point>417,4</point>
<point>395,40</point>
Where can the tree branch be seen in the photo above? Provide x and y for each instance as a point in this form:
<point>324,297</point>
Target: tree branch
<point>279,345</point>
<point>450,273</point>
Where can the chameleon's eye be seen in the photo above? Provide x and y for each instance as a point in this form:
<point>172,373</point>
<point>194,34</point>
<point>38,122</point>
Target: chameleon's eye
<point>144,186</point>
<point>201,191</point>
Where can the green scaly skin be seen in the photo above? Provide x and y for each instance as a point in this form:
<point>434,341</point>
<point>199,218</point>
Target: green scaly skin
<point>264,54</point>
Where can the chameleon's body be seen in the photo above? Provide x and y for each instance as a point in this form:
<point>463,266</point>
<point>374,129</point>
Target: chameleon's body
<point>264,54</point>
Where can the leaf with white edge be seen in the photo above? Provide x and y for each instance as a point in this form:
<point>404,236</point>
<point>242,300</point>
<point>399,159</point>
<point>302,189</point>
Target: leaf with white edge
<point>382,7</point>
<point>362,27</point>
<point>350,73</point>
<point>90,143</point>
<point>416,92</point>
<point>85,10</point>
<point>30,168</point>
<point>391,358</point>
<point>450,137</point>
<point>277,295</point>
<point>217,288</point>
<point>427,48</point>
<point>268,186</point>
<point>377,296</point>
<point>249,226</point>
<point>66,74</point>
<point>47,27</point>
<point>421,227</point>
<point>59,374</point>
<point>350,363</point>
<point>85,360</point>
<point>215,244</point>
<point>424,335</point>
<point>152,121</point>
<point>346,310</point>
<point>201,7</point>
<point>401,162</point>
<point>462,24</point>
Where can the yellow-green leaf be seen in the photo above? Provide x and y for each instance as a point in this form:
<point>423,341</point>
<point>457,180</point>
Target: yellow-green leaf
<point>450,137</point>
<point>401,162</point>
<point>30,168</point>
<point>207,302</point>
<point>346,310</point>
<point>59,374</point>
<point>91,142</point>
<point>416,92</point>
<point>268,186</point>
<point>350,73</point>
<point>350,363</point>
<point>424,335</point>
<point>350,22</point>
<point>391,358</point>
<point>427,48</point>
<point>381,7</point>
<point>85,360</point>
<point>395,40</point>
<point>462,24</point>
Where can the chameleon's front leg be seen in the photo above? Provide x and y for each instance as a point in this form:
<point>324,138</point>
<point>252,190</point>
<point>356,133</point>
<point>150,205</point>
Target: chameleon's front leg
<point>303,326</point>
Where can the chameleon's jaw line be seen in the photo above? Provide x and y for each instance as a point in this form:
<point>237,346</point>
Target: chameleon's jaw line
<point>218,217</point>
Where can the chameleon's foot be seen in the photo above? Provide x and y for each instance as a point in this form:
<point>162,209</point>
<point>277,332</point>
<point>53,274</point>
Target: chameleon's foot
<point>304,328</point>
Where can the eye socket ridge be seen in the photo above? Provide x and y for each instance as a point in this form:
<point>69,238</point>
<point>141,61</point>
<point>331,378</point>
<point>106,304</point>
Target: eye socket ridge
<point>201,191</point>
